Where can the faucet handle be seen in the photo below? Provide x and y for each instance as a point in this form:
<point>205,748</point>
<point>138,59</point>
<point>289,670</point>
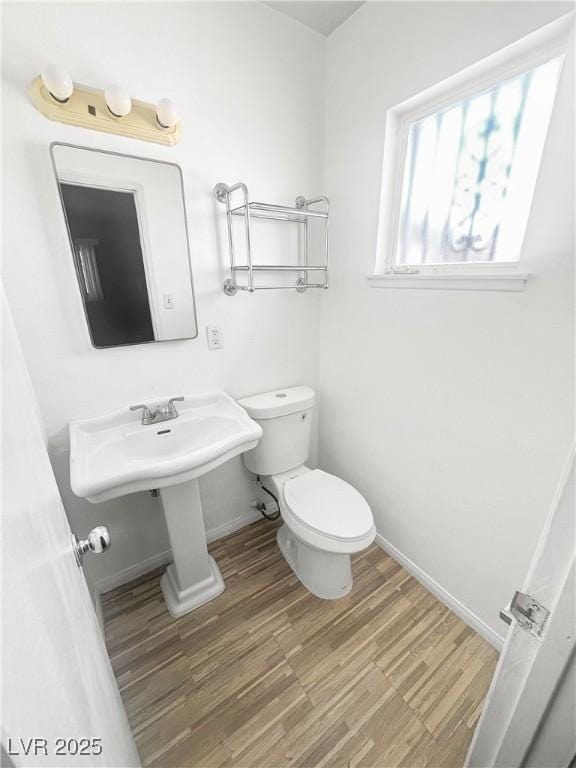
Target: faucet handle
<point>146,412</point>
<point>171,406</point>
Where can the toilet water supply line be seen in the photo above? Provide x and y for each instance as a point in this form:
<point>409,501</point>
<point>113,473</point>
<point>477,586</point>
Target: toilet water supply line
<point>261,506</point>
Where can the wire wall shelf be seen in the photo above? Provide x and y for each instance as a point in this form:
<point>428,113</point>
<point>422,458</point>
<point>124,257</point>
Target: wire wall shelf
<point>243,276</point>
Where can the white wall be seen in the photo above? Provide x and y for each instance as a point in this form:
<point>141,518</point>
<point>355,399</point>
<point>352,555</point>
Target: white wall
<point>451,411</point>
<point>250,85</point>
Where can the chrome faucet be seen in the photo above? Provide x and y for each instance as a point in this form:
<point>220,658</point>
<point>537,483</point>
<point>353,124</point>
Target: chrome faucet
<point>164,412</point>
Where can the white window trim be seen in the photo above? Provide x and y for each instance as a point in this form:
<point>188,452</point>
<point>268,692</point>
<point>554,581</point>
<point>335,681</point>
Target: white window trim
<point>515,59</point>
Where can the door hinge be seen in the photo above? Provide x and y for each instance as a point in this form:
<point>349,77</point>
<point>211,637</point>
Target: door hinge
<point>528,612</point>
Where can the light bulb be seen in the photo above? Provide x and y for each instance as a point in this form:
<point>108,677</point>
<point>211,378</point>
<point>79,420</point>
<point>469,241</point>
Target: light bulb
<point>167,113</point>
<point>58,82</point>
<point>118,100</point>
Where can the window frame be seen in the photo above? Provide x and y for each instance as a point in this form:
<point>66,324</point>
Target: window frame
<point>529,52</point>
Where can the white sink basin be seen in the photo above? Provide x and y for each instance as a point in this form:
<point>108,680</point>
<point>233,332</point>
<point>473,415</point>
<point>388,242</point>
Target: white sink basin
<point>114,455</point>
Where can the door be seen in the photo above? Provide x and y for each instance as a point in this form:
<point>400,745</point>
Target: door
<point>530,710</point>
<point>60,702</point>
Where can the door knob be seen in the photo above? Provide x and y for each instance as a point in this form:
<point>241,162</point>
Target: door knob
<point>98,541</point>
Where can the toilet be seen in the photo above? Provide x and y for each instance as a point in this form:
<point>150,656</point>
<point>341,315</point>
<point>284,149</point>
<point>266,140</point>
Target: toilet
<point>325,519</point>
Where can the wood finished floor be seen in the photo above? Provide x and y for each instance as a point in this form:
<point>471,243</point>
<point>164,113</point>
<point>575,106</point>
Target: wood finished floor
<point>267,675</point>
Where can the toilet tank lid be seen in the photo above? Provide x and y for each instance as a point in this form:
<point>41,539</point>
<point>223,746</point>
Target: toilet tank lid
<point>279,402</point>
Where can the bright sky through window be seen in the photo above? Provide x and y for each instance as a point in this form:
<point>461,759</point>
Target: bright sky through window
<point>470,172</point>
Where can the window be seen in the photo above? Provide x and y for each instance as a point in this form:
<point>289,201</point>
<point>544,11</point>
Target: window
<point>470,171</point>
<point>460,166</point>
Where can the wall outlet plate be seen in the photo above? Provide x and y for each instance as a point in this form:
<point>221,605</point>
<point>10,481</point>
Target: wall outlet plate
<point>214,336</point>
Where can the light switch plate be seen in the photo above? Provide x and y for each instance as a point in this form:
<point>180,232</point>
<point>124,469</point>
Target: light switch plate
<point>214,336</point>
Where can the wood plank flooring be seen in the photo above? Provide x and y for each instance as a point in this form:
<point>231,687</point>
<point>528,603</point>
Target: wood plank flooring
<point>266,675</point>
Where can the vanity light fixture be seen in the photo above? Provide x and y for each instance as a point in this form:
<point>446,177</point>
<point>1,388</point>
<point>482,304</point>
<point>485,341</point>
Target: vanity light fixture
<point>58,82</point>
<point>113,111</point>
<point>167,113</point>
<point>118,100</point>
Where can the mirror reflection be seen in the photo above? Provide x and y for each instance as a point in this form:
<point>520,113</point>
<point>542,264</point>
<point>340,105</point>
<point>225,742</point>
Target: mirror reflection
<point>127,227</point>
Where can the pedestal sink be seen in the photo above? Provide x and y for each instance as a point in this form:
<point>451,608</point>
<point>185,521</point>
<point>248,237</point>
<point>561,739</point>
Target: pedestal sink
<point>115,454</point>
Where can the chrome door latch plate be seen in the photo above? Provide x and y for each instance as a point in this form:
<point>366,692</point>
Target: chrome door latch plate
<point>528,612</point>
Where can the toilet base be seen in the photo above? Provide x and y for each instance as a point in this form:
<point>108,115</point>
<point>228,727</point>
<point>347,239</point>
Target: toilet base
<point>327,575</point>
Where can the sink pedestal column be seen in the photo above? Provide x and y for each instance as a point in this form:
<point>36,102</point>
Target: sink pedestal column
<point>194,577</point>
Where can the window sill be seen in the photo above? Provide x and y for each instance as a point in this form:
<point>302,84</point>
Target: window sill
<point>464,282</point>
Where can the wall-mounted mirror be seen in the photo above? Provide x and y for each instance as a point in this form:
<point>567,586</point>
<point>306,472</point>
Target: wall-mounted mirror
<point>127,226</point>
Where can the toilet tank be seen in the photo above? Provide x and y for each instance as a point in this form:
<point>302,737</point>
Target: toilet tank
<point>285,416</point>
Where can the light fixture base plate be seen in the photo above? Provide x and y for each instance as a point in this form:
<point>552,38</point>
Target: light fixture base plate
<point>87,108</point>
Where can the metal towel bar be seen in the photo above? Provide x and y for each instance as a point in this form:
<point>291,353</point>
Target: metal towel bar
<point>301,214</point>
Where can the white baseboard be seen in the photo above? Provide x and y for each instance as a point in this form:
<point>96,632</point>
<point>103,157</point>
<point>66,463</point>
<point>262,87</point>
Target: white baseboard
<point>443,595</point>
<point>232,525</point>
<point>163,558</point>
<point>132,572</point>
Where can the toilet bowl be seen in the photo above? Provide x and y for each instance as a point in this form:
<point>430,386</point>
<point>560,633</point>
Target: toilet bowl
<point>325,519</point>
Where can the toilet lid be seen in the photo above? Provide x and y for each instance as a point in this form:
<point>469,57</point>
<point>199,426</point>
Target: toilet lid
<point>328,505</point>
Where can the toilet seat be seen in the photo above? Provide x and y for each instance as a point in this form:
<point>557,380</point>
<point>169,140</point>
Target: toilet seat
<point>327,512</point>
